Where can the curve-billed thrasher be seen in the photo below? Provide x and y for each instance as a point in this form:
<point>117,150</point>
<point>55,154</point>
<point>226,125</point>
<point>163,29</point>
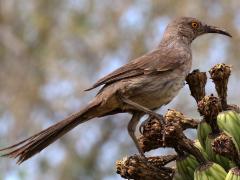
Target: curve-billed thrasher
<point>142,85</point>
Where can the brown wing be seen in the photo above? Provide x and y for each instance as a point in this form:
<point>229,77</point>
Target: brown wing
<point>155,61</point>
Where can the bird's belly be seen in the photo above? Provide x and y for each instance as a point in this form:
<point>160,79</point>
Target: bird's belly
<point>156,91</point>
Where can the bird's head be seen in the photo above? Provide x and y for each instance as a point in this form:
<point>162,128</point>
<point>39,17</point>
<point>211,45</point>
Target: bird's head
<point>190,28</point>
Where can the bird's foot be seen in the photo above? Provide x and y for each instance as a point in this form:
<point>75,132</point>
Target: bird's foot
<point>141,127</point>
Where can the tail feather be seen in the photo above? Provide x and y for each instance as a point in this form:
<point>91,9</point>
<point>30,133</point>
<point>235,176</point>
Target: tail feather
<point>27,148</point>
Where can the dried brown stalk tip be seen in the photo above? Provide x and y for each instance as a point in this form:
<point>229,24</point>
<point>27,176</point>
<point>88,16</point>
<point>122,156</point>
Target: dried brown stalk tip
<point>210,107</point>
<point>151,137</point>
<point>220,74</point>
<point>224,145</point>
<point>134,167</point>
<point>197,81</point>
<point>185,122</point>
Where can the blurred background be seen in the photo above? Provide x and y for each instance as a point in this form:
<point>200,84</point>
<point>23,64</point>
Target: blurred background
<point>50,51</point>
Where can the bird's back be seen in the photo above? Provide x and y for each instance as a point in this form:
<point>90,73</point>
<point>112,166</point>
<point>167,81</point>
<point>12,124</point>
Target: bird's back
<point>161,74</point>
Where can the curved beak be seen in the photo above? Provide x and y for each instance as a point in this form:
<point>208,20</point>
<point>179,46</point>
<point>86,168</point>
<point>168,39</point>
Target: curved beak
<point>213,29</point>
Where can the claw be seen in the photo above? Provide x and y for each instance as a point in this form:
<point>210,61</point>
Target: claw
<point>141,127</point>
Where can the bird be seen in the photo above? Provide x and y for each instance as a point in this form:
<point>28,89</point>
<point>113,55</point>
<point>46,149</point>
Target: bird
<point>139,87</point>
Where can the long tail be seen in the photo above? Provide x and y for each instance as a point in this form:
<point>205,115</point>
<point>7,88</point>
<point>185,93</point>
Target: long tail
<point>34,144</point>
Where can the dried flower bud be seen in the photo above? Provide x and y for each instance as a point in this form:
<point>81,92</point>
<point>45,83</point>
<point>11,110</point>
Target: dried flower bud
<point>209,107</point>
<point>173,116</point>
<point>220,74</point>
<point>135,167</point>
<point>224,145</point>
<point>197,81</point>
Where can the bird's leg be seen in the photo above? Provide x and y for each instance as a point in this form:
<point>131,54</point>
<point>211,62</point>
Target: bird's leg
<point>134,121</point>
<point>151,113</point>
<point>131,130</point>
<point>144,109</point>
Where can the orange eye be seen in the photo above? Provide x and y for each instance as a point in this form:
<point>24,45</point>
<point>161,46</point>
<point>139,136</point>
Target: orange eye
<point>194,25</point>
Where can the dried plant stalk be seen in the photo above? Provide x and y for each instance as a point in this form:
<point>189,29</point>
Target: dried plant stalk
<point>135,167</point>
<point>220,74</point>
<point>174,136</point>
<point>224,145</point>
<point>196,81</point>
<point>210,107</point>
